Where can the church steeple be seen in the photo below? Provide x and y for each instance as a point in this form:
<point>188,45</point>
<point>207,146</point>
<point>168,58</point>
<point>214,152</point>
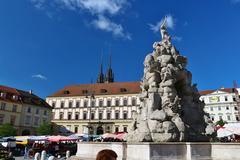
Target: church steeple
<point>109,77</point>
<point>101,77</point>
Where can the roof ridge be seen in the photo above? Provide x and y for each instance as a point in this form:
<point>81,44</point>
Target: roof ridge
<point>112,83</point>
<point>110,88</point>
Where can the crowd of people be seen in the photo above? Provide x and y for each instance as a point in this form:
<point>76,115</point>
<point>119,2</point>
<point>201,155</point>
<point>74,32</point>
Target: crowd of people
<point>52,149</point>
<point>28,150</point>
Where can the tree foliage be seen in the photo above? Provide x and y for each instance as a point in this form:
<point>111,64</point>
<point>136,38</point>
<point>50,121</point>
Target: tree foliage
<point>45,129</point>
<point>7,130</point>
<point>220,122</point>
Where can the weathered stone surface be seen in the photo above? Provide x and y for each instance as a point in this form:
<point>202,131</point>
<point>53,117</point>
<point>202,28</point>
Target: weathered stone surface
<point>164,137</point>
<point>170,109</point>
<point>158,115</point>
<point>169,127</point>
<point>155,126</point>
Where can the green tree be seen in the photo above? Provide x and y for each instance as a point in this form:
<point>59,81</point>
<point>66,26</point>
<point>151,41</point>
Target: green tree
<point>45,129</point>
<point>220,122</point>
<point>7,130</point>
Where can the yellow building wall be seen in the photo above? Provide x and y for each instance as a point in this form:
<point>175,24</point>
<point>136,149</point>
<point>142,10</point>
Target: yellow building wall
<point>8,112</point>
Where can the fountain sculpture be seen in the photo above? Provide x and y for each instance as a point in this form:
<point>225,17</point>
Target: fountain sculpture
<point>170,109</point>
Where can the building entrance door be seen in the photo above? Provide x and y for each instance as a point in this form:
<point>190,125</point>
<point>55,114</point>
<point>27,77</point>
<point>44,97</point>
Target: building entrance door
<point>99,130</point>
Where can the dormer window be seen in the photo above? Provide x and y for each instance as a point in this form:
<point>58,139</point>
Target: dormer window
<point>66,92</point>
<point>15,97</point>
<point>3,95</point>
<point>103,91</point>
<point>84,91</point>
<point>123,90</point>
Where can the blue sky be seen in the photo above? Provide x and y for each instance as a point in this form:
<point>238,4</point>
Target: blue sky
<point>48,44</point>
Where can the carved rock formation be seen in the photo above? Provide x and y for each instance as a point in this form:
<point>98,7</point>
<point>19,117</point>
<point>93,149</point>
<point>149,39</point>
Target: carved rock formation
<point>170,108</point>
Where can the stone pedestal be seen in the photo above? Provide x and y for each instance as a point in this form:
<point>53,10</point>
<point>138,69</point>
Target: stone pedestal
<point>163,151</point>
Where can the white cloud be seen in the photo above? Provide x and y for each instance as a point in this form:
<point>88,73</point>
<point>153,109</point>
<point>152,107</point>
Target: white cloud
<point>42,77</point>
<point>106,24</point>
<point>100,8</point>
<point>170,24</point>
<point>39,4</point>
<point>95,6</point>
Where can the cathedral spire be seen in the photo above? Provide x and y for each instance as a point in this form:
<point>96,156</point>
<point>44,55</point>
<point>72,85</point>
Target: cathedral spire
<point>100,78</point>
<point>109,78</point>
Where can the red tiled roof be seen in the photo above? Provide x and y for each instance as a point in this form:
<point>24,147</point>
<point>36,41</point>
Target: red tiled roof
<point>229,90</point>
<point>112,88</point>
<point>99,89</point>
<point>31,98</point>
<point>23,97</point>
<point>8,90</point>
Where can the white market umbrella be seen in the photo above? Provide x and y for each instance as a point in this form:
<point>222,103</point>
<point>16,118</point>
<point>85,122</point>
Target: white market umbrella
<point>37,138</point>
<point>223,132</point>
<point>233,127</point>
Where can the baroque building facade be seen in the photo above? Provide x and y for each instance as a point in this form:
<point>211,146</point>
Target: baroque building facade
<point>222,104</point>
<point>95,108</point>
<point>23,110</point>
<point>109,107</point>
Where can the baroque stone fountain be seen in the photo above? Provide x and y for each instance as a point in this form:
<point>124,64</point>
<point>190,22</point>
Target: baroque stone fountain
<point>170,109</point>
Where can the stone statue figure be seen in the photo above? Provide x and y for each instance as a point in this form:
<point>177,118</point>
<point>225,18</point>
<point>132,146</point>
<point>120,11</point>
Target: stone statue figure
<point>170,109</point>
<point>163,29</point>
